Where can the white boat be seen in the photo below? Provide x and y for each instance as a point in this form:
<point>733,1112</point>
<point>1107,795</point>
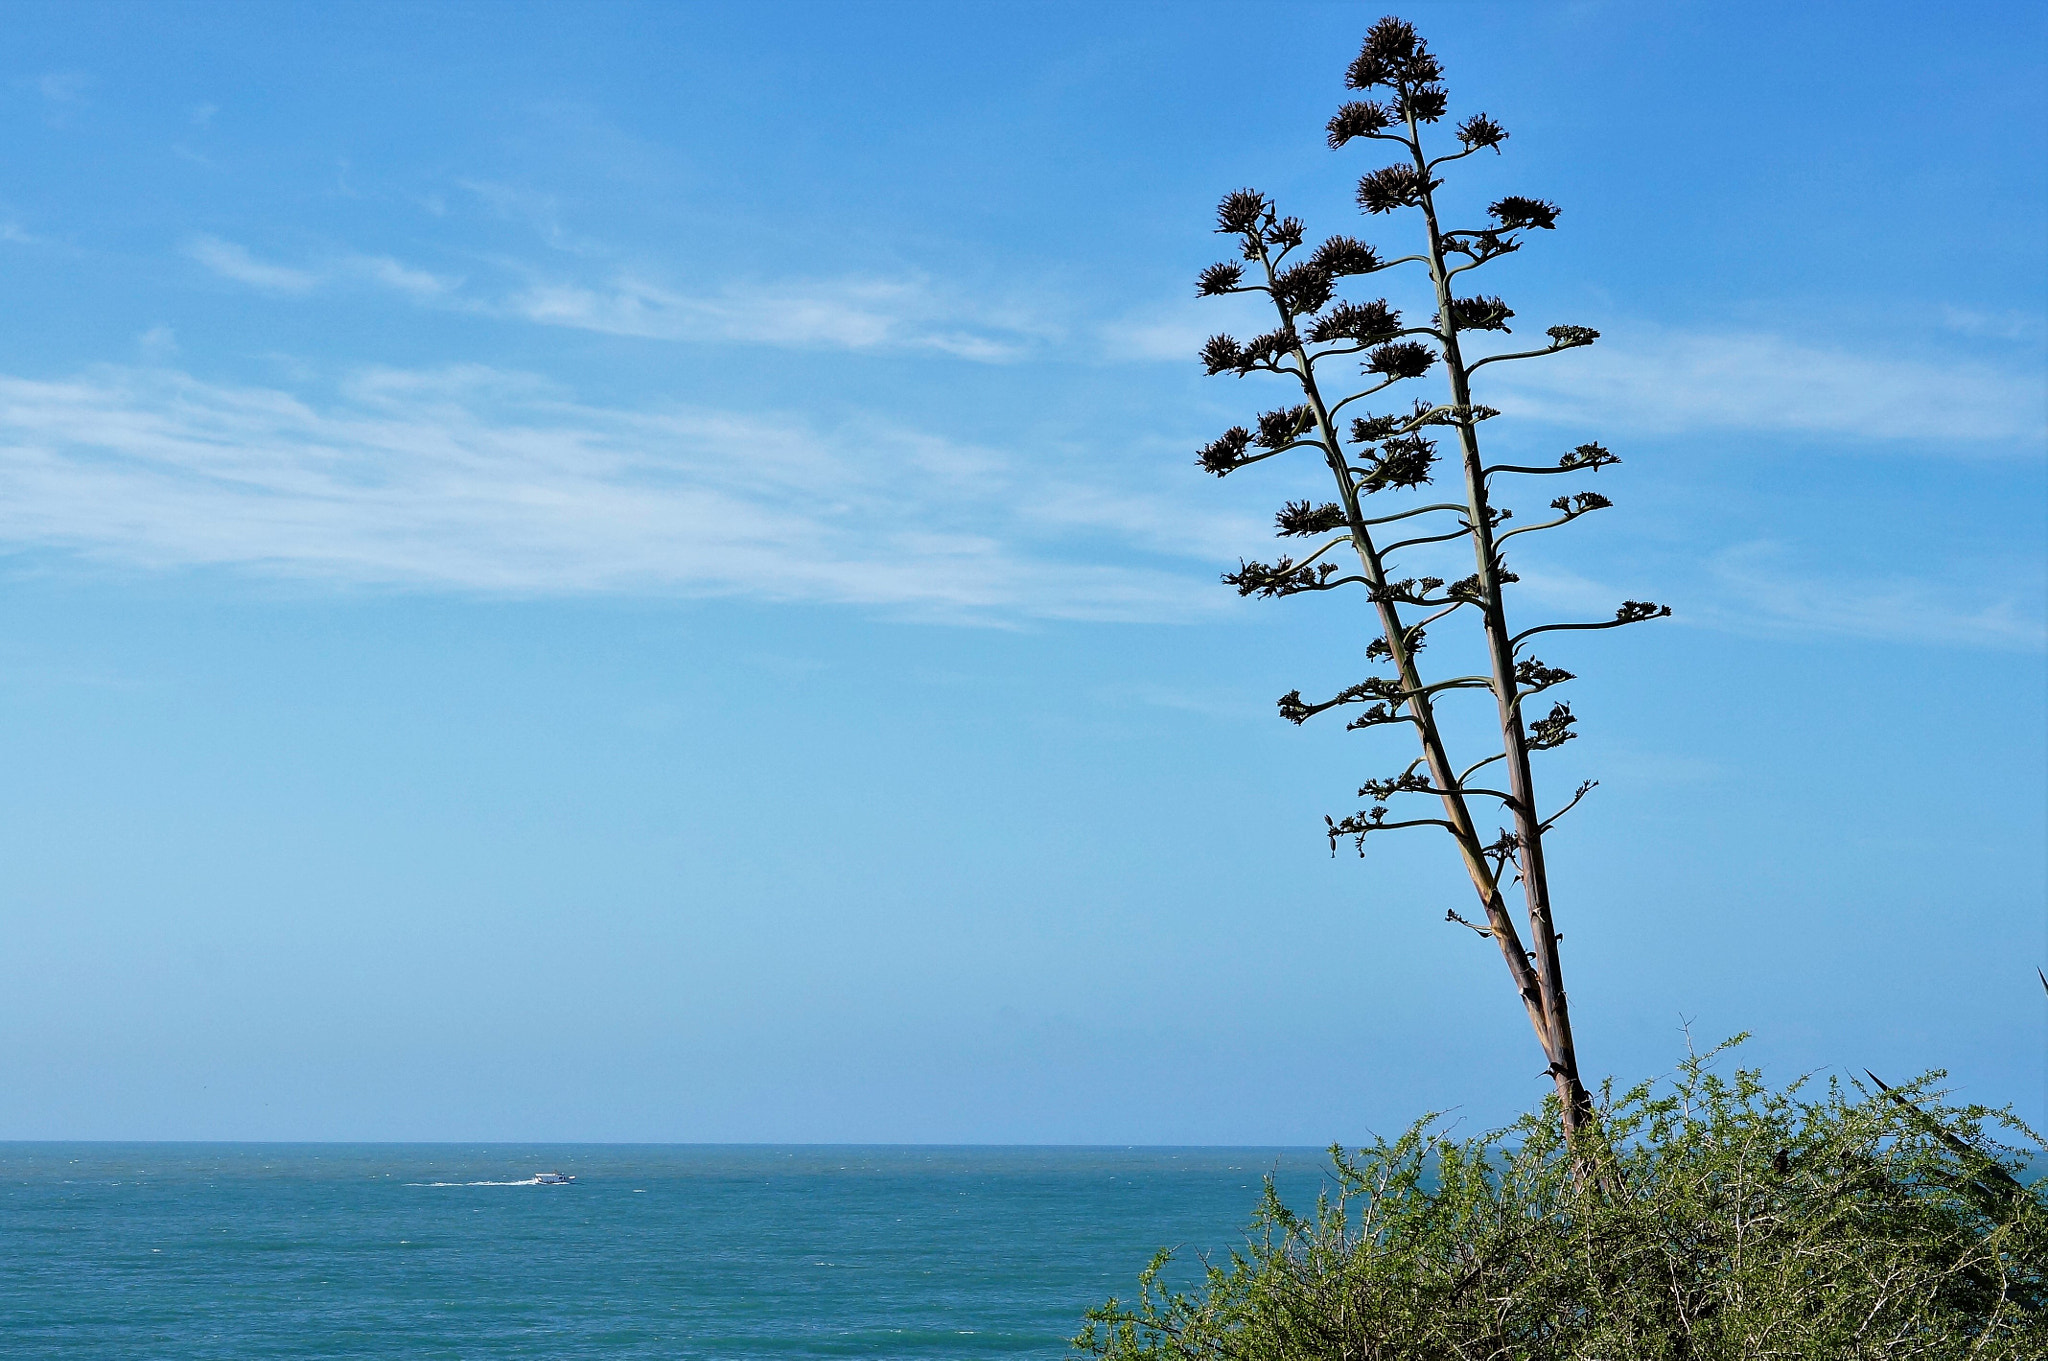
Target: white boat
<point>552,1179</point>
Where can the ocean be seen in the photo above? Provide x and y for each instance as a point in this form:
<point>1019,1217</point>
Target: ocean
<point>159,1251</point>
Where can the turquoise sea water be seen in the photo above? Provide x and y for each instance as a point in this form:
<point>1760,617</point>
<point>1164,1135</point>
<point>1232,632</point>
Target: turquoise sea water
<point>155,1251</point>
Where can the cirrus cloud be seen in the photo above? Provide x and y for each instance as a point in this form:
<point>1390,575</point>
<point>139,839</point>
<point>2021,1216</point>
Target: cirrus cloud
<point>476,479</point>
<point>1660,381</point>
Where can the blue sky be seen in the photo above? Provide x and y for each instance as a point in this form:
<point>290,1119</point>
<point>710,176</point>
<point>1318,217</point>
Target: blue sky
<point>636,572</point>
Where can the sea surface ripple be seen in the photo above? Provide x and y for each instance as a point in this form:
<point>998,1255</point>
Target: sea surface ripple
<point>117,1251</point>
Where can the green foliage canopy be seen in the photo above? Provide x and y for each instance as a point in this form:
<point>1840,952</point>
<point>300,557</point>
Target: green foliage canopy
<point>1729,1220</point>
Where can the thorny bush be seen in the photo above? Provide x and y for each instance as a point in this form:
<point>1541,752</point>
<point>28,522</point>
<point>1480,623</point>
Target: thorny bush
<point>1726,1220</point>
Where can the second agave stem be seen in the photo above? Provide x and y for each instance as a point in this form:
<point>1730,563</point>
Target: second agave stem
<point>1554,1029</point>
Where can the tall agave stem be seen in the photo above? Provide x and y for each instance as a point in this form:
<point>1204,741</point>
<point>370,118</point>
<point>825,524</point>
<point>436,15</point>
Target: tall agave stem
<point>1555,1026</point>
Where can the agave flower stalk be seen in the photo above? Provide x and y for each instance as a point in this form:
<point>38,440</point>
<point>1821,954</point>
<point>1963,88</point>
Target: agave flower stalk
<point>1315,331</point>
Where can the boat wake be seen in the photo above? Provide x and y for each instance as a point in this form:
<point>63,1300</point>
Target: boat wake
<point>538,1179</point>
<point>530,1181</point>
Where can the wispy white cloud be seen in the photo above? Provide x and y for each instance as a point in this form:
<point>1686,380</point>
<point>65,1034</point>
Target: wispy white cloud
<point>1159,522</point>
<point>1766,589</point>
<point>477,479</point>
<point>2006,325</point>
<point>858,314</point>
<point>862,312</point>
<point>843,314</point>
<point>382,269</point>
<point>1160,336</point>
<point>541,212</point>
<point>236,262</point>
<point>1173,333</point>
<point>1657,381</point>
<point>231,261</point>
<point>1653,380</point>
<point>63,94</point>
<point>62,87</point>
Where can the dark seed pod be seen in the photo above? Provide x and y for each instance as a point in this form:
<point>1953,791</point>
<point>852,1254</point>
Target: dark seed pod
<point>1302,288</point>
<point>1480,314</point>
<point>1392,55</point>
<point>1356,321</point>
<point>1286,233</point>
<point>1404,461</point>
<point>1587,456</point>
<point>1224,452</point>
<point>1425,103</point>
<point>1360,118</point>
<point>1397,186</point>
<point>1515,212</point>
<point>1218,279</point>
<point>1302,518</point>
<point>1552,730</point>
<point>1405,359</point>
<point>1265,349</point>
<point>1481,131</point>
<point>1221,353</point>
<point>1278,429</point>
<point>1241,212</point>
<point>1341,256</point>
<point>1372,429</point>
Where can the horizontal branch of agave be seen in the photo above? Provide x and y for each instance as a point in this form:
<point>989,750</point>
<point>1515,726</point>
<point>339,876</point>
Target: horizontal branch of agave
<point>1319,340</point>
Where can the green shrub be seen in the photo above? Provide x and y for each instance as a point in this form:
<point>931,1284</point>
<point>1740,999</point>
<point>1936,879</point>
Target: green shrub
<point>1704,1218</point>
